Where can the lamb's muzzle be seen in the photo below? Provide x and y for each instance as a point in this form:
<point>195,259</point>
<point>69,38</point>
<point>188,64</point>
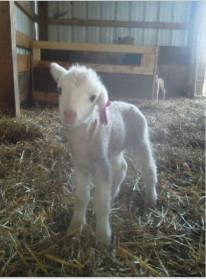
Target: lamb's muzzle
<point>99,137</point>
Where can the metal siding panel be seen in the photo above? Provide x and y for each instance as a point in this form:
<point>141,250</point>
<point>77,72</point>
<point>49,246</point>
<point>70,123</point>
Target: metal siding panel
<point>65,9</point>
<point>150,37</point>
<point>65,33</point>
<point>166,11</point>
<point>137,34</point>
<point>52,8</point>
<point>94,10</point>
<point>151,11</point>
<point>52,33</point>
<point>164,37</point>
<point>137,10</point>
<point>179,38</point>
<point>121,32</point>
<point>79,34</point>
<point>107,35</point>
<point>23,23</point>
<point>180,12</point>
<point>108,10</point>
<point>93,34</point>
<point>122,9</point>
<point>79,9</point>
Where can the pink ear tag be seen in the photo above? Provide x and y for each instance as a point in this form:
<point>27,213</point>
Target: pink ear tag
<point>103,113</point>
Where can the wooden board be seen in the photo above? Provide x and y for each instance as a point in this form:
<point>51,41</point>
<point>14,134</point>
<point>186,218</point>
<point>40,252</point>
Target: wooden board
<point>24,87</point>
<point>43,25</point>
<point>148,61</point>
<point>133,70</point>
<point>119,85</point>
<point>45,97</point>
<point>118,23</point>
<point>9,93</point>
<point>23,40</point>
<point>93,47</point>
<point>24,63</point>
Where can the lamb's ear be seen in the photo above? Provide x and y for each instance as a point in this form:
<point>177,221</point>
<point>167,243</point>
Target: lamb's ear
<point>102,103</point>
<point>57,71</point>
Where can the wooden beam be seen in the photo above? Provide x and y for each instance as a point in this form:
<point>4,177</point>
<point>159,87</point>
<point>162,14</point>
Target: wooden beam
<point>104,68</point>
<point>43,15</point>
<point>196,19</point>
<point>23,40</point>
<point>25,7</point>
<point>117,23</point>
<point>93,47</point>
<point>9,93</point>
<point>36,54</point>
<point>45,97</point>
<point>24,63</point>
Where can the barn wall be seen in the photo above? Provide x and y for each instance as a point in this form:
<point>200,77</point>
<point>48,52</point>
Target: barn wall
<point>149,11</point>
<point>170,41</point>
<point>26,26</point>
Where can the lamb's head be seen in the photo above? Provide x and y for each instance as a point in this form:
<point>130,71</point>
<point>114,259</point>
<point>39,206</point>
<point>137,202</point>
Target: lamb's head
<point>81,90</point>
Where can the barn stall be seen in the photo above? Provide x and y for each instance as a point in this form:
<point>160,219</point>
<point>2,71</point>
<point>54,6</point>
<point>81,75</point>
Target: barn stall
<point>128,43</point>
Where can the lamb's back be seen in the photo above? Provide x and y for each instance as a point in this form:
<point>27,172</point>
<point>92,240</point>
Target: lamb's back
<point>127,124</point>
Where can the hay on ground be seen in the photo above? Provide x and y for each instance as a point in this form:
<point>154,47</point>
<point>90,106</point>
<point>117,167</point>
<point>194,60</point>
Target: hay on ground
<point>36,201</point>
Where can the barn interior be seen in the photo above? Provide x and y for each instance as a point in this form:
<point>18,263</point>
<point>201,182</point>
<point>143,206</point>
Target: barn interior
<point>128,43</point>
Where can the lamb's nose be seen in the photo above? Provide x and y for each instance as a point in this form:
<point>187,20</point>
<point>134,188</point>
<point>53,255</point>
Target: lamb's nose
<point>70,115</point>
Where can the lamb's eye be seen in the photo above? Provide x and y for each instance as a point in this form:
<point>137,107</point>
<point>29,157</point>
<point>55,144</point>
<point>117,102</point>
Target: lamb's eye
<point>92,98</point>
<point>59,90</point>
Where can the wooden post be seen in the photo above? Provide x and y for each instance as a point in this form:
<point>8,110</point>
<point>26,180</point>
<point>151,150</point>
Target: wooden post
<point>9,92</point>
<point>43,24</point>
<point>196,21</point>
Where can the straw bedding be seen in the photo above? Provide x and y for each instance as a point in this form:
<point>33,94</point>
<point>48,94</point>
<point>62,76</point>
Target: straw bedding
<point>36,201</point>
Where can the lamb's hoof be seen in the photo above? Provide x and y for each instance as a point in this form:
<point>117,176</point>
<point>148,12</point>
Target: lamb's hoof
<point>75,228</point>
<point>150,201</point>
<point>104,237</point>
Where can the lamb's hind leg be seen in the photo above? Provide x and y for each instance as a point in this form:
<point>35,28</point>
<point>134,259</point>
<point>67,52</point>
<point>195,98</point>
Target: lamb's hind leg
<point>119,171</point>
<point>143,159</point>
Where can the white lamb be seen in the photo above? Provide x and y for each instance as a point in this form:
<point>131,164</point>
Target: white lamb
<point>159,87</point>
<point>100,133</point>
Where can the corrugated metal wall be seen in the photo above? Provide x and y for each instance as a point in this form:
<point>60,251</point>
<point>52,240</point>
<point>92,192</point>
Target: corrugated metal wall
<point>160,11</point>
<point>25,25</point>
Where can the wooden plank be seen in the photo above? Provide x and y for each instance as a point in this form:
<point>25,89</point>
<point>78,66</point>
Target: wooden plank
<point>26,8</point>
<point>23,40</point>
<point>24,63</point>
<point>104,68</point>
<point>197,19</point>
<point>9,93</point>
<point>148,60</point>
<point>36,54</point>
<point>118,85</point>
<point>117,23</point>
<point>43,25</point>
<point>24,79</point>
<point>93,47</point>
<point>45,97</point>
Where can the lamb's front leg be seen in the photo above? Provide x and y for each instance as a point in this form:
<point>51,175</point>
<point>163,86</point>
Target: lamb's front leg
<point>102,203</point>
<point>82,197</point>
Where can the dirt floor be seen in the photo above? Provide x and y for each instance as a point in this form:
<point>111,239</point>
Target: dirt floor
<point>36,200</point>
